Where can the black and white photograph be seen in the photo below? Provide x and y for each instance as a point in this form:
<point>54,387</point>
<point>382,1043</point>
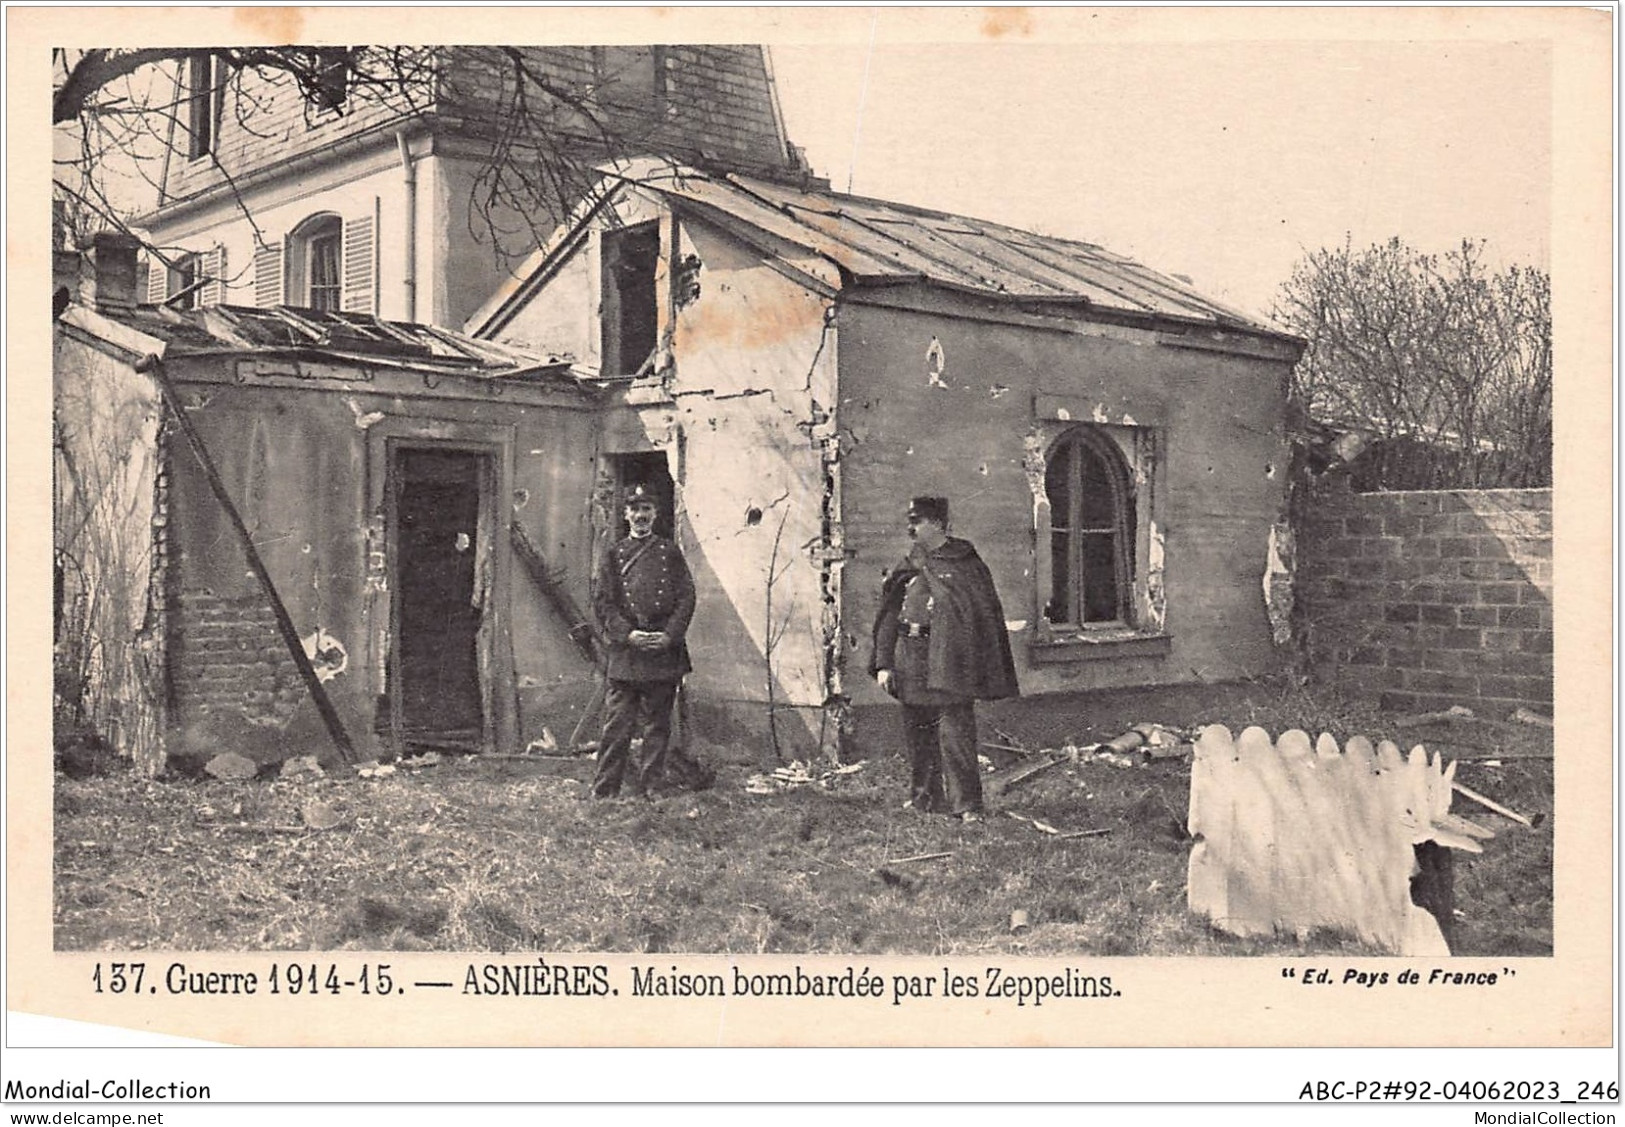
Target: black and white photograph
<point>1021,515</point>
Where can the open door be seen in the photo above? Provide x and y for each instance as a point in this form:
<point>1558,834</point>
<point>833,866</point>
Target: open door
<point>440,569</point>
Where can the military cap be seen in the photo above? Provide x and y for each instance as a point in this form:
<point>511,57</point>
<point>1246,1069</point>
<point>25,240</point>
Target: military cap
<point>929,508</point>
<point>640,494</point>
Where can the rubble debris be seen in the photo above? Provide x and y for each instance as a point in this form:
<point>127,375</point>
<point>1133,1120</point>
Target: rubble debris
<point>1490,804</point>
<point>798,774</point>
<point>1128,741</point>
<point>301,767</point>
<point>1041,826</point>
<point>319,815</point>
<point>1020,921</point>
<point>1416,720</point>
<point>1529,716</point>
<point>375,770</point>
<point>427,759</point>
<point>1000,784</point>
<point>545,744</point>
<point>1102,832</point>
<point>229,765</point>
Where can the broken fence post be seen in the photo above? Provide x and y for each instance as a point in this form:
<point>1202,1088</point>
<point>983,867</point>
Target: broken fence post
<point>1293,836</point>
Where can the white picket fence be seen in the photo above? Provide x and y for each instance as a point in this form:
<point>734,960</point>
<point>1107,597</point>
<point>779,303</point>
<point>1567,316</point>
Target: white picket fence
<point>1296,835</point>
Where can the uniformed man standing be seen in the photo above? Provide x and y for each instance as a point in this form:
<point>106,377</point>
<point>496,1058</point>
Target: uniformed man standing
<point>643,599</point>
<point>940,645</point>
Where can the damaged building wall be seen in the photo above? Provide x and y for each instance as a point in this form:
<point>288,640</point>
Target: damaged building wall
<point>303,465</point>
<point>110,551</point>
<point>950,399</point>
<point>738,399</point>
<point>752,389</point>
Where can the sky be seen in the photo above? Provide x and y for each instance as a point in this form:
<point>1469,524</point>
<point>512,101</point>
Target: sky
<point>1221,151</point>
<point>1222,161</point>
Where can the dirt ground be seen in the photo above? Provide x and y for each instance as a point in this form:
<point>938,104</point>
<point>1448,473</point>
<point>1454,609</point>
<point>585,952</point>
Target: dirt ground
<point>471,853</point>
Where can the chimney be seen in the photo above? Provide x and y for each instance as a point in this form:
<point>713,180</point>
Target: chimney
<point>110,284</point>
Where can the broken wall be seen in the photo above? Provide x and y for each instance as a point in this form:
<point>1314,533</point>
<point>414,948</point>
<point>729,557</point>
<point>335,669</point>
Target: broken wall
<point>302,461</point>
<point>110,551</point>
<point>947,398</point>
<point>1430,599</point>
<point>751,393</point>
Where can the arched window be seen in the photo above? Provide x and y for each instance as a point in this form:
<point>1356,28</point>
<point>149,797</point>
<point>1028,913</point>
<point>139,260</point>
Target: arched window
<point>314,279</point>
<point>1091,532</point>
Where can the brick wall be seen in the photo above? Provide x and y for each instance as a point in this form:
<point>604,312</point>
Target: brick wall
<point>1433,599</point>
<point>228,659</point>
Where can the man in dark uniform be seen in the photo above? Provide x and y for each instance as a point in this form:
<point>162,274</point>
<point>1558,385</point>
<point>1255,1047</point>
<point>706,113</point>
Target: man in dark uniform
<point>940,645</point>
<point>643,598</point>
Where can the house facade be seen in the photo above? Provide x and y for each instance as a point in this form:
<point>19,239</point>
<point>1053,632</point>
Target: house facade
<point>364,200</point>
<point>799,363</point>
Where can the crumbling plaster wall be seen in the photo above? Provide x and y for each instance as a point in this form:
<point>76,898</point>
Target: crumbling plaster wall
<point>110,549</point>
<point>941,399</point>
<point>741,404</point>
<point>297,463</point>
<point>752,386</point>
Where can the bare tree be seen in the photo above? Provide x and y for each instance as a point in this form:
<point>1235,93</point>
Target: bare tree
<point>1447,362</point>
<point>539,131</point>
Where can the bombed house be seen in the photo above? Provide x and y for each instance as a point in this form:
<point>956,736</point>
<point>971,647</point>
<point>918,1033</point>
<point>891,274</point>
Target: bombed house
<point>295,509</point>
<point>794,364</point>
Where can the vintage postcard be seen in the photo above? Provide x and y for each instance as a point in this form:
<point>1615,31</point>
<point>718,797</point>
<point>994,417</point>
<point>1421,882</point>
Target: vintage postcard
<point>813,528</point>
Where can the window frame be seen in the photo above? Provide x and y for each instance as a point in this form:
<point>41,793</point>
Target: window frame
<point>187,273</point>
<point>299,254</point>
<point>1075,443</point>
<point>614,360</point>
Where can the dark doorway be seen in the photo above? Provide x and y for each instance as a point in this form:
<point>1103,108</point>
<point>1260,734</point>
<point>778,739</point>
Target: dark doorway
<point>438,548</point>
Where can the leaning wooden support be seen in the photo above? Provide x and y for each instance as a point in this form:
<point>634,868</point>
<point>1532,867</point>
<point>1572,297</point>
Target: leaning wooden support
<point>580,628</point>
<point>154,367</point>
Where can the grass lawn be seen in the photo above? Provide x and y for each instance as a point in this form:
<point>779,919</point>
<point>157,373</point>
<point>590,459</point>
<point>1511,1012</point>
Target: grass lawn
<point>505,854</point>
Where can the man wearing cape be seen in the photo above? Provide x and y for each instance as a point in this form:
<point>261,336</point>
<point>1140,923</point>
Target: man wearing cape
<point>940,645</point>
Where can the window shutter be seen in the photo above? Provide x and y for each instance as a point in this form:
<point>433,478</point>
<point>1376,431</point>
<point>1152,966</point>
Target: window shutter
<point>157,280</point>
<point>214,265</point>
<point>268,276</point>
<point>360,257</point>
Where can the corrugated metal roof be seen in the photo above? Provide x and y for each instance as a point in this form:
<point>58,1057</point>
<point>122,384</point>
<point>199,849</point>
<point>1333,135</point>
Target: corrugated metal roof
<point>354,337</point>
<point>874,242</point>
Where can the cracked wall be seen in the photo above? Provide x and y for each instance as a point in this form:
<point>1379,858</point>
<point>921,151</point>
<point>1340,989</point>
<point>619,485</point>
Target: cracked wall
<point>111,552</point>
<point>1198,432</point>
<point>302,464</point>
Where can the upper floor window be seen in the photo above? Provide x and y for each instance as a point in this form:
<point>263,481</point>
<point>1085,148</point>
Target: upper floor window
<point>184,284</point>
<point>332,77</point>
<point>1091,532</point>
<point>203,95</point>
<point>324,83</point>
<point>314,278</point>
<point>630,77</point>
<point>630,317</point>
